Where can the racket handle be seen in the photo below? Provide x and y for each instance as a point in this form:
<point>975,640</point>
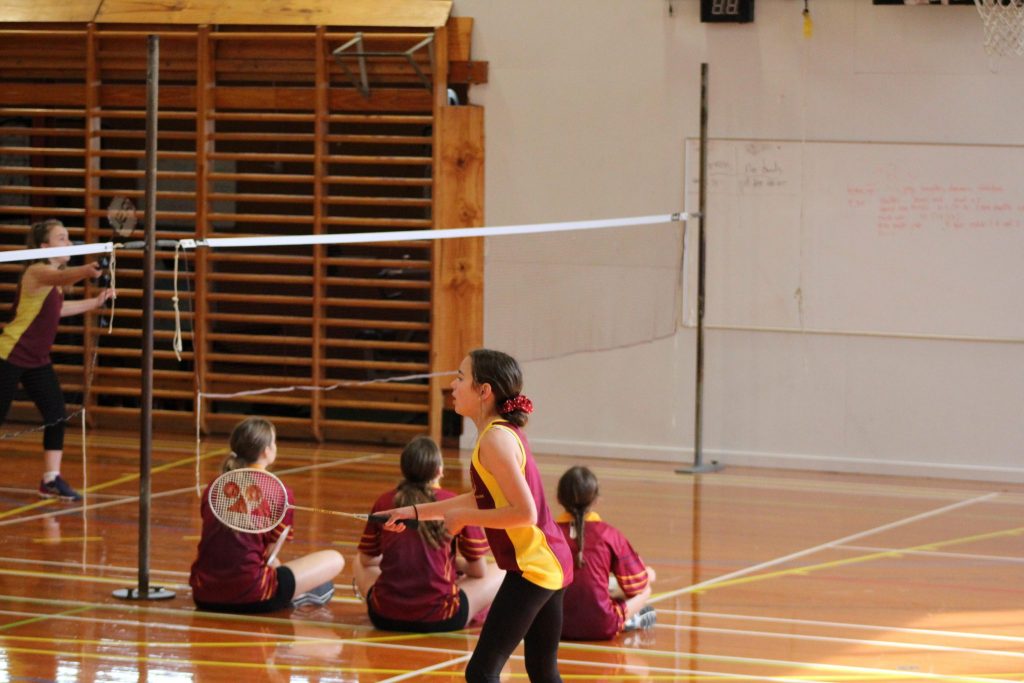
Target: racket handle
<point>409,523</point>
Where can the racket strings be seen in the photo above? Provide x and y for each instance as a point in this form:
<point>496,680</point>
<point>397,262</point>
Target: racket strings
<point>249,500</point>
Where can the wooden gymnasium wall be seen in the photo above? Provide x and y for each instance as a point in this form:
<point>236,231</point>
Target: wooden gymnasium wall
<point>261,132</point>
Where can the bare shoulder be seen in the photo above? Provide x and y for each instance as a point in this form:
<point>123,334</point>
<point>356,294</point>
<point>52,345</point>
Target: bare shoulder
<point>36,275</point>
<point>499,439</point>
<point>500,447</point>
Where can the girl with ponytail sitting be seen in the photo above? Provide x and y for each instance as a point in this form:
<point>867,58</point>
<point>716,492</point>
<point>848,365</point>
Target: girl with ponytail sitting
<point>235,571</point>
<point>411,581</point>
<point>595,608</point>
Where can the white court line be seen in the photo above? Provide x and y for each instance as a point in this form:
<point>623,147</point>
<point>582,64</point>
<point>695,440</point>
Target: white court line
<point>428,669</point>
<point>818,548</point>
<point>402,646</point>
<point>936,553</point>
<point>22,491</point>
<point>92,506</point>
<point>818,667</point>
<point>836,639</point>
<point>173,492</point>
<point>262,638</point>
<point>847,625</point>
<point>648,669</point>
<point>151,626</point>
<point>334,463</point>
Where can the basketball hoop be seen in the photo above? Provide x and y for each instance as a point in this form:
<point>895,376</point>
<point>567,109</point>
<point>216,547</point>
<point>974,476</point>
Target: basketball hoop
<point>1004,26</point>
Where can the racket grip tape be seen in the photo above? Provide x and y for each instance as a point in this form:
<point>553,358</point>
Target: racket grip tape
<point>409,523</point>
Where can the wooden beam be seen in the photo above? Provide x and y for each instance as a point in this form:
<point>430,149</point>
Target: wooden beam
<point>460,32</point>
<point>458,286</point>
<point>370,13</point>
<point>471,73</point>
<point>77,11</point>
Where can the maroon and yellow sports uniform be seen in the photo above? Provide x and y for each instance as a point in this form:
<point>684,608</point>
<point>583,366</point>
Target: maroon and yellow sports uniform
<point>538,552</point>
<point>590,613</point>
<point>25,345</point>
<point>231,566</point>
<point>26,340</point>
<point>417,581</point>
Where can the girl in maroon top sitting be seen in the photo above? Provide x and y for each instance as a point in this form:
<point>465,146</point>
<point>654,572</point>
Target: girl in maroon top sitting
<point>231,572</point>
<point>595,607</point>
<point>411,581</point>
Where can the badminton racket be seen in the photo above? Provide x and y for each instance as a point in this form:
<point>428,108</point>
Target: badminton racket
<point>277,545</point>
<point>255,501</point>
<point>122,216</point>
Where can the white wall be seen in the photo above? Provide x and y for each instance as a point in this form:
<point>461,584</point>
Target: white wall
<point>587,108</point>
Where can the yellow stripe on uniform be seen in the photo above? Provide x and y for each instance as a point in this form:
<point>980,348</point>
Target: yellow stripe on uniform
<point>534,556</point>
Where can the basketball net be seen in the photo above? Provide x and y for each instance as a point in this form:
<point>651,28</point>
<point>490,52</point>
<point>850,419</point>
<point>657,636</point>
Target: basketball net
<point>1004,26</point>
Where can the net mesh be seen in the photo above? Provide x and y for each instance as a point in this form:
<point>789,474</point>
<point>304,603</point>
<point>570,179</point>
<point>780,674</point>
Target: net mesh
<point>560,294</point>
<point>324,365</point>
<point>248,500</point>
<point>1004,26</point>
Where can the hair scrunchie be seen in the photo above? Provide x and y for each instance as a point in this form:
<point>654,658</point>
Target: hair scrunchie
<point>515,403</point>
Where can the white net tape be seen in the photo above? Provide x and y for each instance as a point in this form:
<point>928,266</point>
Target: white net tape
<point>1004,26</point>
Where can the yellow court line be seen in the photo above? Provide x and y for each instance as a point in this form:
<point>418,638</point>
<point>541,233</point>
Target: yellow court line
<point>107,642</point>
<point>68,577</point>
<point>299,668</point>
<point>877,678</point>
<point>120,480</point>
<point>176,663</point>
<point>395,639</point>
<point>66,539</point>
<point>42,617</point>
<point>807,569</point>
<point>853,671</point>
<point>806,666</point>
<point>249,619</point>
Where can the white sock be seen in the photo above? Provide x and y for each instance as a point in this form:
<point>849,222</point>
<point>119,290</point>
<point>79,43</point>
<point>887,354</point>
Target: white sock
<point>50,476</point>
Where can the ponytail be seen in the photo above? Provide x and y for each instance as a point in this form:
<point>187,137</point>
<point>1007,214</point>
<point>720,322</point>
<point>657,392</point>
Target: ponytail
<point>578,531</point>
<point>503,373</point>
<point>577,491</point>
<point>421,464</point>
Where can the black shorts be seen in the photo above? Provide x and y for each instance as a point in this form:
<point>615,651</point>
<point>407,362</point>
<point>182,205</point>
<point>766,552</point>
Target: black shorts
<point>282,598</point>
<point>454,623</point>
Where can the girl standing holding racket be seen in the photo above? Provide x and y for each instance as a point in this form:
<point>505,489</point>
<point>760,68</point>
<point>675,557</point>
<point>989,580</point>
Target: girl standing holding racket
<point>508,501</point>
<point>600,551</point>
<point>231,572</point>
<point>410,580</point>
<point>27,339</point>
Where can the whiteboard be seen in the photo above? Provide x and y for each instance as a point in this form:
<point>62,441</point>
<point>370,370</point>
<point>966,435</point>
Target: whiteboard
<point>876,238</point>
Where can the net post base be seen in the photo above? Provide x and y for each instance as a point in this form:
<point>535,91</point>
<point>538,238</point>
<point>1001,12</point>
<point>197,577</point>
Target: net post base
<point>701,468</point>
<point>154,593</point>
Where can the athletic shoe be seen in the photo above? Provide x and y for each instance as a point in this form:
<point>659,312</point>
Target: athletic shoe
<point>644,619</point>
<point>58,488</point>
<point>321,595</point>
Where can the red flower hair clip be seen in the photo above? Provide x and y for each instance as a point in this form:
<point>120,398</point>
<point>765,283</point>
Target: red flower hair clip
<point>515,403</point>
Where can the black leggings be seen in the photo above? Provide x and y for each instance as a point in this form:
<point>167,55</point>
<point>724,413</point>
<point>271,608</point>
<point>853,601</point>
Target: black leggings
<point>43,388</point>
<point>521,611</point>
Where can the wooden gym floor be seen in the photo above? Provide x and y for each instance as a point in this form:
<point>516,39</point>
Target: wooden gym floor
<point>763,575</point>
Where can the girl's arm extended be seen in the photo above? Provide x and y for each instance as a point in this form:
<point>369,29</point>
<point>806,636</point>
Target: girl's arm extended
<point>78,306</point>
<point>46,275</point>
